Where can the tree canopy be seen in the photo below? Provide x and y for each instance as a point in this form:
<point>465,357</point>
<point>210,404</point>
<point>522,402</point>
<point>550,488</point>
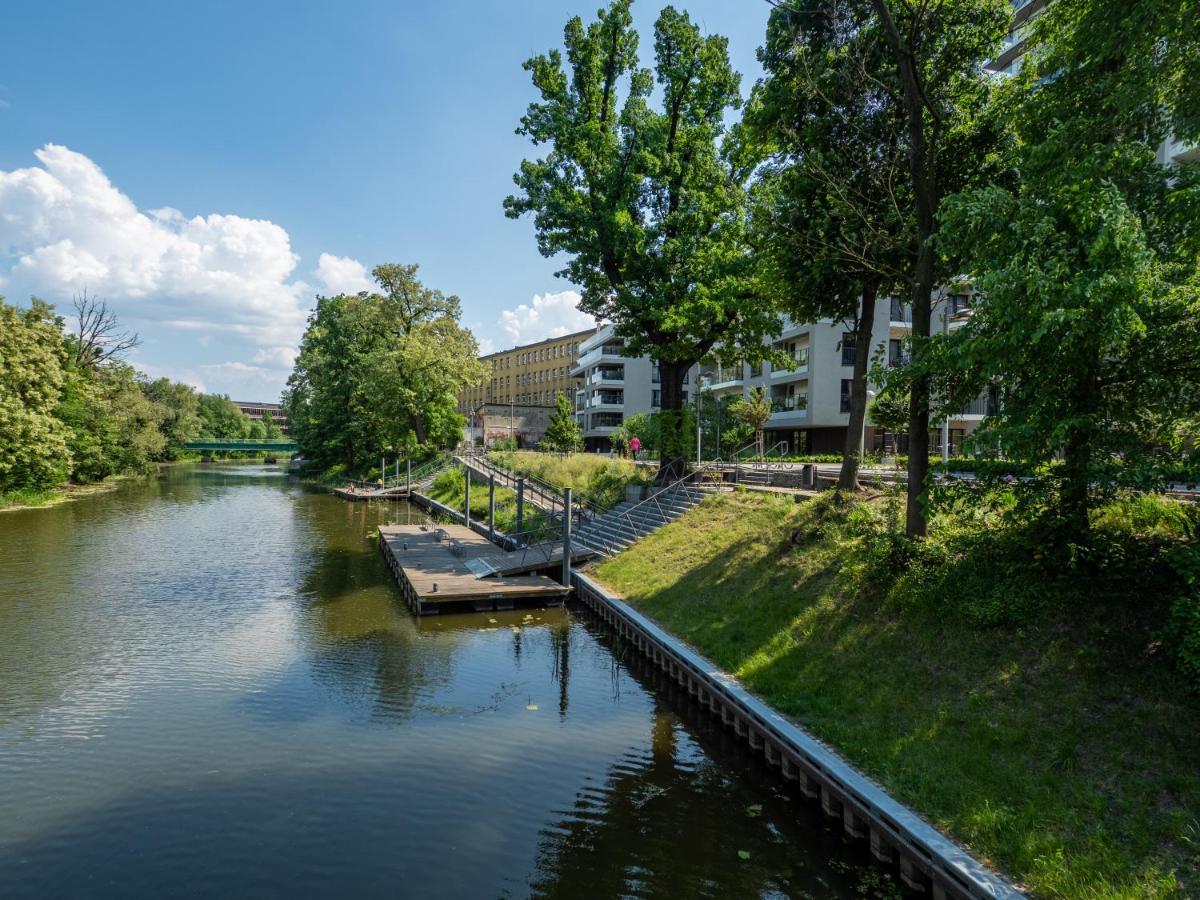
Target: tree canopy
<point>643,194</point>
<point>380,371</point>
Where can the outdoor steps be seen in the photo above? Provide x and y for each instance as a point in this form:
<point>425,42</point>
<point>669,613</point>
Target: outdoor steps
<point>627,522</point>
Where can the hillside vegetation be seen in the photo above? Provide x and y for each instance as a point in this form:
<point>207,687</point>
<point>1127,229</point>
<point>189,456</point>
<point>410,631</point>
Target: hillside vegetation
<point>1040,713</point>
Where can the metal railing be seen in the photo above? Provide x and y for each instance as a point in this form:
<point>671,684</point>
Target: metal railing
<point>626,516</point>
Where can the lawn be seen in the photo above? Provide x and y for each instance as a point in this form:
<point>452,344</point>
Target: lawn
<point>1037,719</point>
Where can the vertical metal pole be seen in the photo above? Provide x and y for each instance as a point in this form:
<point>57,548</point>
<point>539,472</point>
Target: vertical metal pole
<point>491,507</point>
<point>521,509</point>
<point>408,477</point>
<point>467,502</point>
<point>383,470</point>
<point>397,471</point>
<point>566,572</point>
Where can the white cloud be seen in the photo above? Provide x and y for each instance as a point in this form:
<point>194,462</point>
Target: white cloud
<point>546,316</point>
<point>342,275</point>
<point>64,227</point>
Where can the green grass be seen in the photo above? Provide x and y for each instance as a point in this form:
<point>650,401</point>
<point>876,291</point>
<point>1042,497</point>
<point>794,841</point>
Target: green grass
<point>1064,750</point>
<point>28,497</point>
<point>592,478</point>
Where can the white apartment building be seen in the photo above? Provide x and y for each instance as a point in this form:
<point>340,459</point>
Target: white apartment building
<point>614,387</point>
<point>811,396</point>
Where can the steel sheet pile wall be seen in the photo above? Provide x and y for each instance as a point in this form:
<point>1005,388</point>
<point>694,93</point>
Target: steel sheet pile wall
<point>927,860</point>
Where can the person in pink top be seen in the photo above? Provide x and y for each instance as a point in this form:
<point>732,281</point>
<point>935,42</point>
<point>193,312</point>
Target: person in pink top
<point>634,446</point>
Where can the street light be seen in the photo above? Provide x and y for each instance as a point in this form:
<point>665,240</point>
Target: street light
<point>862,434</point>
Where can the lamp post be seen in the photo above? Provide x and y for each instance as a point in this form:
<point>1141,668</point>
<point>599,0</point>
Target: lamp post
<point>702,381</point>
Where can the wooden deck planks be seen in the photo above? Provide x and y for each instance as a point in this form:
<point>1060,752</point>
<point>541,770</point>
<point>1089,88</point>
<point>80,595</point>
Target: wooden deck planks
<point>430,563</point>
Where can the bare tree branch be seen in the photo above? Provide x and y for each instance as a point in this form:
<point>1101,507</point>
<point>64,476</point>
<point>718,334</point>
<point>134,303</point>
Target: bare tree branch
<point>98,334</point>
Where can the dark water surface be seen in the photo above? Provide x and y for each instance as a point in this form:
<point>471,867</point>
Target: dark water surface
<point>209,687</point>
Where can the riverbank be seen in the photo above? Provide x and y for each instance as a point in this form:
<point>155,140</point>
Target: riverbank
<point>1037,720</point>
<point>41,499</point>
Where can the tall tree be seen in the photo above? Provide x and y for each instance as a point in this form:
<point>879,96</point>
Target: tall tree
<point>33,440</point>
<point>647,201</point>
<point>381,370</point>
<point>563,433</point>
<point>833,209</point>
<point>97,336</point>
<point>938,48</point>
<point>1088,311</point>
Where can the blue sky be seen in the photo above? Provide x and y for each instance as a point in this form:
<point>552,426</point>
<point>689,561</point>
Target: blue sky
<point>209,167</point>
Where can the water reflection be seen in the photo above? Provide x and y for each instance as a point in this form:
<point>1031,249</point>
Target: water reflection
<point>209,685</point>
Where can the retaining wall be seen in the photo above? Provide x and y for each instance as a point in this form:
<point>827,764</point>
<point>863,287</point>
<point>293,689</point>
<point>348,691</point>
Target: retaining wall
<point>927,860</point>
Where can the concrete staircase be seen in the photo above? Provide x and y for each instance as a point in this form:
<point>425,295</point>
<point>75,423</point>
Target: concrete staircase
<point>626,522</point>
<point>754,477</point>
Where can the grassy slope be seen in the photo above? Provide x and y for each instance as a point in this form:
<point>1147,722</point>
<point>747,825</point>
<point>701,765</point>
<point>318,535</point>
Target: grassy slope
<point>1061,753</point>
<point>590,476</point>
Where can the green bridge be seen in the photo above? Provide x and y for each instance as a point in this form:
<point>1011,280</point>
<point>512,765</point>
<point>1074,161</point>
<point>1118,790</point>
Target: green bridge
<point>266,446</point>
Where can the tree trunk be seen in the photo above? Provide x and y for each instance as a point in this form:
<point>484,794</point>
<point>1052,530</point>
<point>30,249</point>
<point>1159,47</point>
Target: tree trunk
<point>672,440</point>
<point>925,197</point>
<point>419,428</point>
<point>848,479</point>
<point>917,525</point>
<point>1075,503</point>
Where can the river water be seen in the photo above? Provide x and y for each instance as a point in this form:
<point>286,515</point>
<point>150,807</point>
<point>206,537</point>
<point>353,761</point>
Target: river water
<point>210,687</point>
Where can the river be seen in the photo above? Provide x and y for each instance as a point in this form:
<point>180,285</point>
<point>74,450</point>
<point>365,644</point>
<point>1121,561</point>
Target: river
<point>210,687</point>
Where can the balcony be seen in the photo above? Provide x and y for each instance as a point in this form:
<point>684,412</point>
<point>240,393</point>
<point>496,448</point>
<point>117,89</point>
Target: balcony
<point>798,365</point>
<point>608,374</point>
<point>608,398</point>
<point>986,404</point>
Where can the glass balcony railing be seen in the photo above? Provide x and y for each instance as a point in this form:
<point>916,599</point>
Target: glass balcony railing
<point>790,403</point>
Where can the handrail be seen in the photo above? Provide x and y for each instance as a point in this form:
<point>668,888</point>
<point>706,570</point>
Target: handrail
<point>627,514</point>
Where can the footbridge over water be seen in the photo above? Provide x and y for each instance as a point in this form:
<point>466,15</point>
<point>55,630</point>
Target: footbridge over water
<point>243,446</point>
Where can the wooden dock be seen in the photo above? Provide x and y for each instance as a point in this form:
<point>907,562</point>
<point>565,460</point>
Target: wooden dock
<point>368,493</point>
<point>443,567</point>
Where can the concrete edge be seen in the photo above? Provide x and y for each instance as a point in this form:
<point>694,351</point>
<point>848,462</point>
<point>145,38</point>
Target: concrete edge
<point>928,860</point>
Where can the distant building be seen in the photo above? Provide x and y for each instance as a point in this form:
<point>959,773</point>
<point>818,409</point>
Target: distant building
<point>530,375</point>
<point>255,412</point>
<point>492,422</point>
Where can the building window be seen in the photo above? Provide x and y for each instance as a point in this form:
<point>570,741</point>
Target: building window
<point>656,398</point>
<point>848,342</point>
<point>899,312</point>
<point>755,369</point>
<point>846,383</point>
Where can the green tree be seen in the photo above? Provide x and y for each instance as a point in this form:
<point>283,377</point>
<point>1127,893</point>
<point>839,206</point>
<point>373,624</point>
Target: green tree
<point>221,419</point>
<point>181,419</point>
<point>271,430</point>
<point>889,410</point>
<point>563,434</point>
<point>381,370</point>
<point>937,51</point>
<point>754,410</point>
<point>115,427</point>
<point>833,208</point>
<point>1088,311</point>
<point>34,450</point>
<point>647,201</point>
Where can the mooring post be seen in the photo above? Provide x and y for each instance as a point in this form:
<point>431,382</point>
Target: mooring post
<point>521,510</point>
<point>467,503</point>
<point>566,538</point>
<point>491,507</point>
<point>382,471</point>
<point>408,477</point>
<point>397,471</point>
